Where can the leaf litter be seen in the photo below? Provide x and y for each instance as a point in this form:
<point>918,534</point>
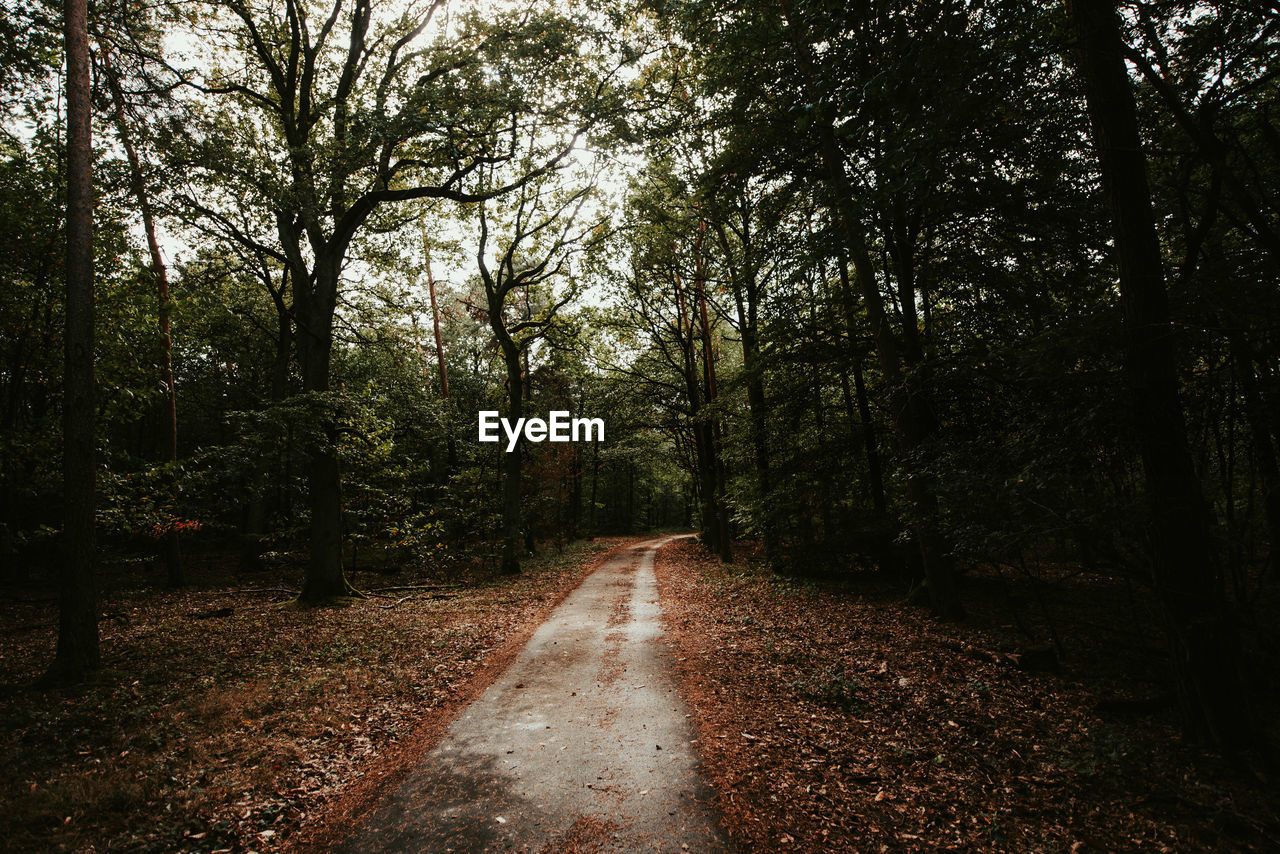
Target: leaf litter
<point>232,733</point>
<point>837,718</point>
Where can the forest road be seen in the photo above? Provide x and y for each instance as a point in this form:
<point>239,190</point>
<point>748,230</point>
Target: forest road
<point>584,744</point>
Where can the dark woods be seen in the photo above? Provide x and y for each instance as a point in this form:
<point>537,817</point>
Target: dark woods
<point>933,288</point>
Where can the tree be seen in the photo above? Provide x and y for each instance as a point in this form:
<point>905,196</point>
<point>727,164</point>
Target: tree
<point>665,295</point>
<point>738,240</point>
<point>77,651</point>
<point>1201,630</point>
<point>171,546</point>
<point>332,114</point>
<point>1209,88</point>
<point>543,235</point>
<point>899,352</point>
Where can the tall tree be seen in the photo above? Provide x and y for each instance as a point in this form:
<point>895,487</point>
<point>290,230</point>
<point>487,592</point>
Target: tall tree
<point>713,424</point>
<point>171,550</point>
<point>738,242</point>
<point>1209,75</point>
<point>319,116</point>
<point>665,296</point>
<point>898,351</point>
<point>435,320</point>
<point>1202,632</point>
<point>521,305</point>
<point>77,650</point>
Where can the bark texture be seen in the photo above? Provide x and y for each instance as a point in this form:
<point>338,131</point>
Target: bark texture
<point>78,651</point>
<point>314,307</point>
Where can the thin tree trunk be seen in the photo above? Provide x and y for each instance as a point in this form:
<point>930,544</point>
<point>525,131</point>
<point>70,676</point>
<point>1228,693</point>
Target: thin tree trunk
<point>1202,632</point>
<point>451,447</point>
<point>912,415</point>
<point>511,464</point>
<point>435,325</point>
<point>824,498</point>
<point>435,313</point>
<point>575,485</point>
<point>701,435</point>
<point>747,298</point>
<point>171,550</point>
<point>595,485</point>
<point>724,547</point>
<point>631,496</point>
<point>874,468</point>
<point>77,650</point>
<point>574,490</point>
<point>824,472</point>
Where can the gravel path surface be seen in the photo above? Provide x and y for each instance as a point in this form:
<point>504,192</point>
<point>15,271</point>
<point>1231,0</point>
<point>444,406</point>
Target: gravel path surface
<point>584,744</point>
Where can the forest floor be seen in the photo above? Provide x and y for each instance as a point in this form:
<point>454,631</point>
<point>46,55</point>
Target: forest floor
<point>226,720</point>
<point>835,717</point>
<point>827,716</point>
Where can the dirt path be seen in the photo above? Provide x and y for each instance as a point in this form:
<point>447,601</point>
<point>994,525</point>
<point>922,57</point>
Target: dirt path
<point>582,745</point>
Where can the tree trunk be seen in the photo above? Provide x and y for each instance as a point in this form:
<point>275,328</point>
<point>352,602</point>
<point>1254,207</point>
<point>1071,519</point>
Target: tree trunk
<point>702,443</point>
<point>325,578</point>
<point>826,492</point>
<point>77,650</point>
<point>511,464</point>
<point>874,469</point>
<point>910,412</point>
<point>574,530</point>
<point>170,549</point>
<point>595,486</point>
<point>719,504</point>
<point>747,298</point>
<point>631,496</point>
<point>1202,633</point>
<point>435,325</point>
<point>912,415</point>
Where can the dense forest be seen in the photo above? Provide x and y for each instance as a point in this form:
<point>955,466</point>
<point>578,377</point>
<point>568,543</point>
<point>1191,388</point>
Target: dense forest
<point>976,303</point>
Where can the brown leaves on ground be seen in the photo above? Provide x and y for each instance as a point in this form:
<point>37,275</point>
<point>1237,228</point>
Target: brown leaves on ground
<point>841,719</point>
<point>223,720</point>
<point>587,835</point>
